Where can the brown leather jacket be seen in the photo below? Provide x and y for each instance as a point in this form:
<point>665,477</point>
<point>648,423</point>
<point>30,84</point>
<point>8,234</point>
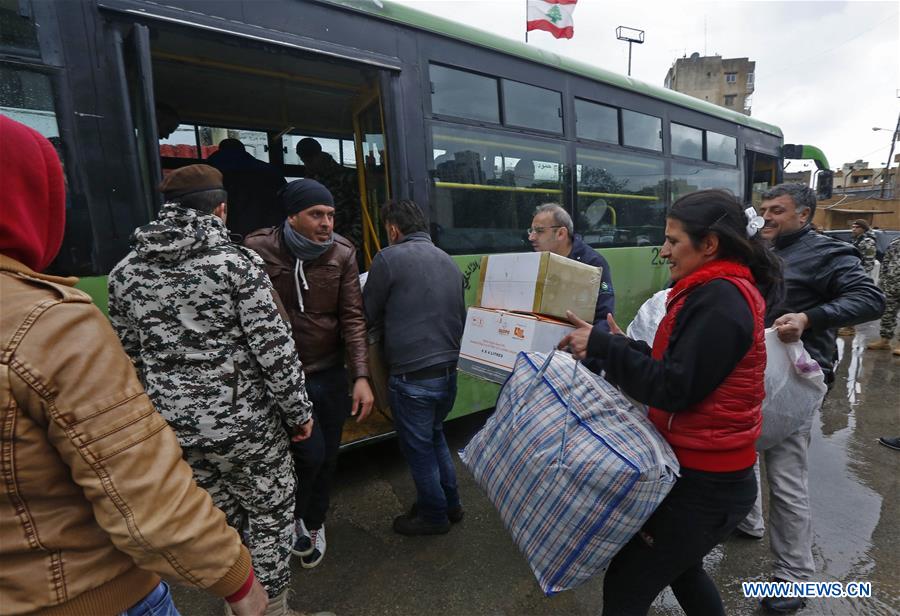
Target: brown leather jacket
<point>96,501</point>
<point>331,319</point>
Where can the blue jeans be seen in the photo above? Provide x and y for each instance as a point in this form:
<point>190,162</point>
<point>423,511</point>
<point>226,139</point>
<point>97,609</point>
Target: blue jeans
<point>157,603</point>
<point>419,408</point>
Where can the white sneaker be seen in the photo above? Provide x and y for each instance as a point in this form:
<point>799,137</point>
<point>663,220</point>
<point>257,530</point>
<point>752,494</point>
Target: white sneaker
<point>303,545</point>
<point>314,557</point>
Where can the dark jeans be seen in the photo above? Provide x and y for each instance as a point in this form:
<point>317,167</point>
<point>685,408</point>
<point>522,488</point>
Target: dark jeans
<point>316,458</point>
<point>700,511</point>
<point>419,407</point>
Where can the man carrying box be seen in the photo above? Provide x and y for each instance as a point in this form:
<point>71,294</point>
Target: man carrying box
<point>414,297</point>
<point>552,230</point>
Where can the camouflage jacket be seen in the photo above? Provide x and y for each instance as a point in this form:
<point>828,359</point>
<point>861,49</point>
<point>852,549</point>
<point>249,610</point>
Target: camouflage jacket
<point>890,268</point>
<point>197,314</point>
<point>866,246</point>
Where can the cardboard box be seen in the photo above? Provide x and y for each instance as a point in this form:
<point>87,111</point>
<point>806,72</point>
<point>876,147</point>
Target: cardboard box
<point>539,282</point>
<point>492,339</point>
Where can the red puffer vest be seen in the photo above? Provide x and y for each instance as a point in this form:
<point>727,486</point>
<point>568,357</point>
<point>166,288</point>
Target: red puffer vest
<point>718,433</point>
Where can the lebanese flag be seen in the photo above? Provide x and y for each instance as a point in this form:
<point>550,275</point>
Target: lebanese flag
<point>553,16</point>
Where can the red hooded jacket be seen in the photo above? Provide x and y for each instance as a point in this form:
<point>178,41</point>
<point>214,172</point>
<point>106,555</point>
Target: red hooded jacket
<point>718,433</point>
<point>32,196</point>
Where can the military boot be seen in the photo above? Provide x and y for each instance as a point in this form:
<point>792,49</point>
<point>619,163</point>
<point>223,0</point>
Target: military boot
<point>882,344</point>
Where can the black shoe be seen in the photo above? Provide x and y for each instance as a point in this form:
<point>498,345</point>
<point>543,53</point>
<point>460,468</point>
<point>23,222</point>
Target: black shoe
<point>892,443</point>
<point>406,525</point>
<point>782,605</point>
<point>742,534</point>
<point>454,514</point>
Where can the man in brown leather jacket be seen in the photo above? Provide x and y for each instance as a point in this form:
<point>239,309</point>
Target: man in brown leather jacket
<point>97,502</point>
<point>314,271</point>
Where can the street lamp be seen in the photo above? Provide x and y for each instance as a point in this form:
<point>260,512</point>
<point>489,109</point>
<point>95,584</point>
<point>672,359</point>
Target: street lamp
<point>632,35</point>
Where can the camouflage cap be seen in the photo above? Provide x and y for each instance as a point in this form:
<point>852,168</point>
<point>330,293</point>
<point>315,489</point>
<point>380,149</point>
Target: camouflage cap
<point>191,179</point>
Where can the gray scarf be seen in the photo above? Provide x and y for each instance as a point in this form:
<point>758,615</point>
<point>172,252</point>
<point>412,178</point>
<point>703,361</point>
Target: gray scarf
<point>302,248</point>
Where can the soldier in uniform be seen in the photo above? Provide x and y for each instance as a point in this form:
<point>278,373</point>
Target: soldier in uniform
<point>890,284</point>
<point>198,316</point>
<point>341,182</point>
<point>864,242</point>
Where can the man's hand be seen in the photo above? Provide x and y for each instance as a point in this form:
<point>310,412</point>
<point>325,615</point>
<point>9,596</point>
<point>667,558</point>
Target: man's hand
<point>256,601</point>
<point>302,431</point>
<point>363,399</point>
<point>791,326</point>
<point>577,341</point>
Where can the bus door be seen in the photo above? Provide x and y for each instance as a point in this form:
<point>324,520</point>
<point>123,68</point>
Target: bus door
<point>371,168</point>
<point>136,63</point>
<point>763,172</point>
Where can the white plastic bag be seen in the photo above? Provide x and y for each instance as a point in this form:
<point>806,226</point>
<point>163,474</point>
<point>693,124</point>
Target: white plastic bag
<point>795,384</point>
<point>795,387</point>
<point>648,318</point>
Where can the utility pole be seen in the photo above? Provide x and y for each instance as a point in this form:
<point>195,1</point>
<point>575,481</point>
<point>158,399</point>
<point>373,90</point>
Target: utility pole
<point>886,174</point>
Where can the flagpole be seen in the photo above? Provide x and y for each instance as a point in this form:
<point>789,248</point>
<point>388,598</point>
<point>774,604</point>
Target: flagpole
<point>526,21</point>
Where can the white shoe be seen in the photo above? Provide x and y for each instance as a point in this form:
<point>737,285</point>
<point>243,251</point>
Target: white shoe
<point>317,552</point>
<point>303,545</point>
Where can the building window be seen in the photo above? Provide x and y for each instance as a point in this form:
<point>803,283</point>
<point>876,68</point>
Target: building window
<point>532,107</point>
<point>749,79</point>
<point>464,95</point>
<point>597,122</point>
<point>730,77</point>
<point>729,100</point>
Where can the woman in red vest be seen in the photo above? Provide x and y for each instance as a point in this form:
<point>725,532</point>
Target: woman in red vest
<point>703,382</point>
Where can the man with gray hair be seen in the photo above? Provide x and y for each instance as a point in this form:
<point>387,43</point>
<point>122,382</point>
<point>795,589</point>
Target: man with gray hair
<point>826,287</point>
<point>552,230</point>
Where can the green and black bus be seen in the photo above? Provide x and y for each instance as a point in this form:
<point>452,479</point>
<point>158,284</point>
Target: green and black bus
<point>476,128</point>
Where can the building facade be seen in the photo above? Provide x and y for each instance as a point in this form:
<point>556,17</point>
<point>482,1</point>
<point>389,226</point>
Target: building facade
<point>727,82</point>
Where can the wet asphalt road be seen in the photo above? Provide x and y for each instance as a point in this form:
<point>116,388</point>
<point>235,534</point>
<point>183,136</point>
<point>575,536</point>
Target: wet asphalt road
<point>476,569</point>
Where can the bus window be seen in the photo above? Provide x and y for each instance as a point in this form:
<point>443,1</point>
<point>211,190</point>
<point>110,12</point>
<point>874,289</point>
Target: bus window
<point>721,148</point>
<point>688,178</point>
<point>27,97</point>
<point>641,130</point>
<point>621,199</point>
<point>18,35</point>
<point>687,141</point>
<point>487,186</point>
<point>464,95</point>
<point>341,150</point>
<point>200,142</point>
<point>596,122</point>
<point>531,107</point>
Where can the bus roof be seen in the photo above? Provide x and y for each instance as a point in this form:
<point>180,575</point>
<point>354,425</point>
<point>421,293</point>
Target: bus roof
<point>432,23</point>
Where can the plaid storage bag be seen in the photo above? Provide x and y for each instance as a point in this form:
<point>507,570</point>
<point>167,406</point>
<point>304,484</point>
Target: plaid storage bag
<point>573,468</point>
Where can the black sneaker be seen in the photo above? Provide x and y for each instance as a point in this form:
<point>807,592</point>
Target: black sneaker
<point>407,525</point>
<point>892,443</point>
<point>454,514</point>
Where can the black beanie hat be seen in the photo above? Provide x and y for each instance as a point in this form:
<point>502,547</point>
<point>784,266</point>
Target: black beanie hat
<point>302,194</point>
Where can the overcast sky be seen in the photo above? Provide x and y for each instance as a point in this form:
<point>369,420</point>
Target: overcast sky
<point>826,72</point>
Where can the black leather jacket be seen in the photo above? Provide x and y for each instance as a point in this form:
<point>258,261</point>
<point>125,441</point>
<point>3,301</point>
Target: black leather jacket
<point>824,278</point>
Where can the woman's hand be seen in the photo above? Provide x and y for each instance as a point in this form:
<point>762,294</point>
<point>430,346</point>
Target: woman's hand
<point>613,326</point>
<point>577,342</point>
